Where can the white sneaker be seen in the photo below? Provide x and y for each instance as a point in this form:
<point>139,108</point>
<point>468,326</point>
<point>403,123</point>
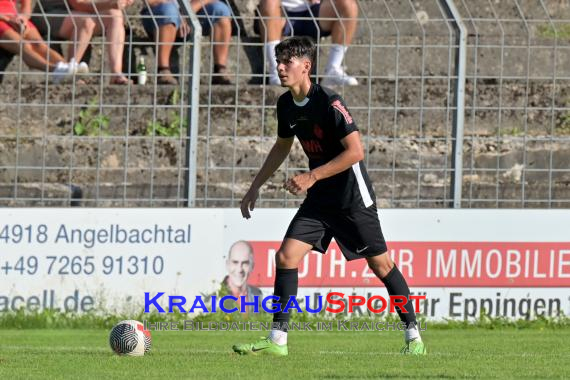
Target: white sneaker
<point>338,77</point>
<point>62,70</point>
<point>82,68</point>
<point>79,68</point>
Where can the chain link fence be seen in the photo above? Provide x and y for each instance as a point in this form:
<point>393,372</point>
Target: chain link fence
<point>88,143</point>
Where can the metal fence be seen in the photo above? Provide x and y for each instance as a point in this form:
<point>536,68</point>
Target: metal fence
<point>200,144</point>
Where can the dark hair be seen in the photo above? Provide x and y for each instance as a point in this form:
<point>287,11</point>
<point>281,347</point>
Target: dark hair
<point>296,47</point>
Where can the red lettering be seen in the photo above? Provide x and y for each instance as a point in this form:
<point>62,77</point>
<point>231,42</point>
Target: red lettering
<point>342,109</point>
<point>372,299</point>
<point>352,302</point>
<point>311,146</point>
<point>417,302</point>
<point>399,301</point>
<point>335,302</point>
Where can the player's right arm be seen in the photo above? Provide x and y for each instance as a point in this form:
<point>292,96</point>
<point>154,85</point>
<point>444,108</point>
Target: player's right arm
<point>274,159</point>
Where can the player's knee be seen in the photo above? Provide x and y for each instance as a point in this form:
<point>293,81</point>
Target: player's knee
<point>283,260</point>
<point>381,264</point>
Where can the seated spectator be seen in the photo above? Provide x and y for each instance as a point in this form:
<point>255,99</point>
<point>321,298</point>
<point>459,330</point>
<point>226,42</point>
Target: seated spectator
<point>88,19</point>
<point>19,35</point>
<point>273,26</point>
<point>166,16</point>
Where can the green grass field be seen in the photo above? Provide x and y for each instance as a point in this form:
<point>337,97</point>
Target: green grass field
<point>452,353</point>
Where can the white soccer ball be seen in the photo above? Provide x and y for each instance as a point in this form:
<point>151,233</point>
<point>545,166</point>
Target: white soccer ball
<point>130,338</point>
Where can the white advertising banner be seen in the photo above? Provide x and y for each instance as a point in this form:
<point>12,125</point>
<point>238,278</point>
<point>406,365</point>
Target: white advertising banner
<point>512,263</point>
<point>504,263</point>
<point>85,259</point>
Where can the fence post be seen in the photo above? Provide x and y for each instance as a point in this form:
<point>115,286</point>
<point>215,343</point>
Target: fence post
<point>193,103</point>
<point>459,109</point>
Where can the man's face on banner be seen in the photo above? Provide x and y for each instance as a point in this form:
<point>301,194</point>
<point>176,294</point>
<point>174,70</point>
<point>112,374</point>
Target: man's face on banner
<point>239,265</point>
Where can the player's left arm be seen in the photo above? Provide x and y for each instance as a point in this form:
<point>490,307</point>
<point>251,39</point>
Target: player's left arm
<point>352,154</point>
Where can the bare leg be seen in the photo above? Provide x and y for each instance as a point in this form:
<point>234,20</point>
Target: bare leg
<point>166,37</point>
<point>342,31</point>
<point>30,54</point>
<point>78,28</point>
<point>40,46</point>
<point>381,265</point>
<point>222,35</point>
<point>272,23</point>
<point>291,253</point>
<point>271,27</point>
<point>115,35</point>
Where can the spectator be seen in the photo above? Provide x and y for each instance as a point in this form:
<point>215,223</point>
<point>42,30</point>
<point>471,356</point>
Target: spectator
<point>19,35</point>
<point>89,19</point>
<point>167,17</point>
<point>239,265</point>
<point>341,30</point>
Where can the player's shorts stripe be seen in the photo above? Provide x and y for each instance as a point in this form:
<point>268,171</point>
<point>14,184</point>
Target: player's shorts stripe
<point>364,193</point>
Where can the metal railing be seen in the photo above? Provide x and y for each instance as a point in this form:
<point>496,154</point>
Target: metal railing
<point>408,57</point>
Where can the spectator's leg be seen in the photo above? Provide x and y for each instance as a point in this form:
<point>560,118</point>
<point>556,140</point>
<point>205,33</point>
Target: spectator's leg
<point>30,55</point>
<point>163,27</point>
<point>78,28</point>
<point>222,36</point>
<point>166,38</point>
<point>39,45</point>
<point>219,15</point>
<point>271,27</point>
<point>115,34</point>
<point>342,31</point>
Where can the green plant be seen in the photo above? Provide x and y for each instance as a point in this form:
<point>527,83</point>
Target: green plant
<point>563,125</point>
<point>90,121</point>
<point>559,31</point>
<point>170,126</point>
<point>514,131</point>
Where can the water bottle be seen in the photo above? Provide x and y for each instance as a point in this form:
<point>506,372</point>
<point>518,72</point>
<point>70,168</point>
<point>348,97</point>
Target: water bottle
<point>141,71</point>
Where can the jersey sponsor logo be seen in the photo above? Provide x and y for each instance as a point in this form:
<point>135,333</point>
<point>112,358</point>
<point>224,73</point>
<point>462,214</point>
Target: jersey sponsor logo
<point>312,146</point>
<point>318,132</point>
<point>342,109</point>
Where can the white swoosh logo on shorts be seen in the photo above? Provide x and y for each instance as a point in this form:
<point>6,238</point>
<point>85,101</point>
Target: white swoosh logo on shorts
<point>361,250</point>
<point>292,125</point>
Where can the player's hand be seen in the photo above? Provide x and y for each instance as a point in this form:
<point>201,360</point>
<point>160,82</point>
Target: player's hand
<point>248,202</point>
<point>300,183</point>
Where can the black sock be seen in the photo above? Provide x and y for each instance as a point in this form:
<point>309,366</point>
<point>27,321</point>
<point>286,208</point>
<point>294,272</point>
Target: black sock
<point>286,283</point>
<point>396,285</point>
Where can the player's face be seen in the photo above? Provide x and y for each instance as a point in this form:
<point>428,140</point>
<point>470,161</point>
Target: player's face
<point>293,72</point>
<point>239,265</point>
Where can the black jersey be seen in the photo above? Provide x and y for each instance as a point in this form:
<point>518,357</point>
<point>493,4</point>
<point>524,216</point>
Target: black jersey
<point>320,122</point>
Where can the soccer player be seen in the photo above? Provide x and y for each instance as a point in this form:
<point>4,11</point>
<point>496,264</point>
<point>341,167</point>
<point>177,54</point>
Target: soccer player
<point>340,202</point>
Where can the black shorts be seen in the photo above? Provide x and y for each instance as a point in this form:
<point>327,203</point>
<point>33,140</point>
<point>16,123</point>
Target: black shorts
<point>357,232</point>
<point>305,23</point>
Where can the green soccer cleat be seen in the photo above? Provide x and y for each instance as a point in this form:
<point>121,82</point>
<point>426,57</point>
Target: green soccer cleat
<point>263,346</point>
<point>414,347</point>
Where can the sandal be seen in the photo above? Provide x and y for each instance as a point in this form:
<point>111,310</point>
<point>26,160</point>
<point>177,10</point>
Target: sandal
<point>164,76</point>
<point>120,80</point>
<point>220,75</point>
